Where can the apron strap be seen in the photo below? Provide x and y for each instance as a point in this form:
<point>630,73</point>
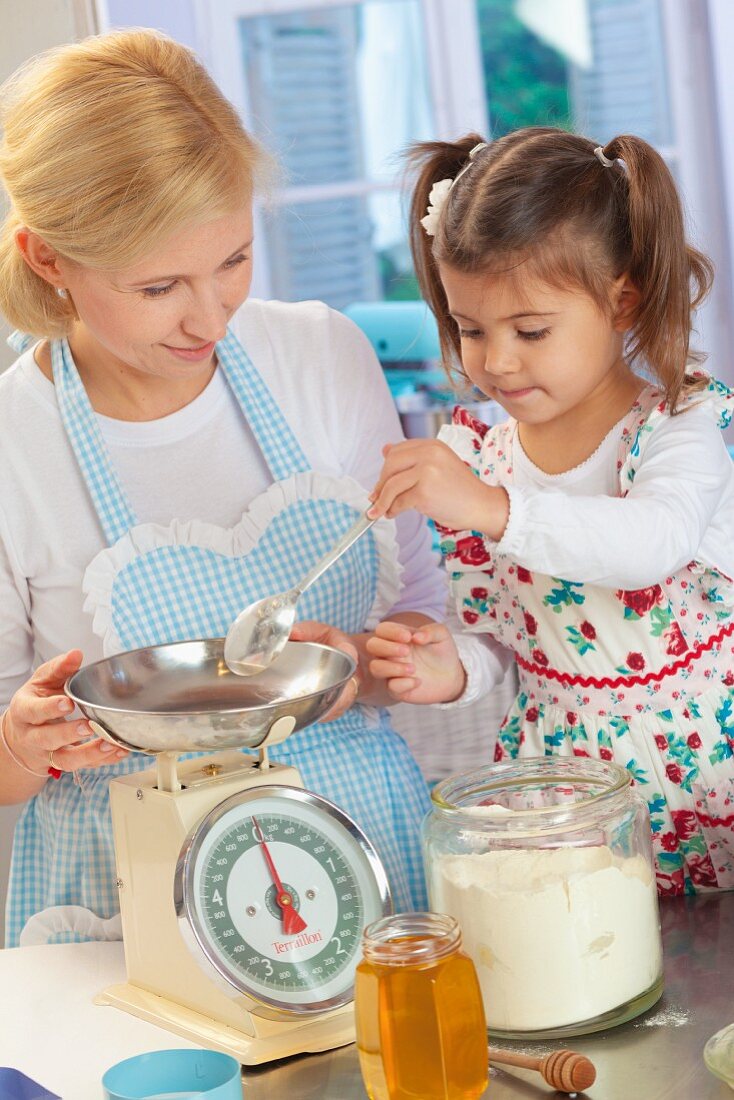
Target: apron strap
<point>281,450</point>
<point>82,428</point>
<point>275,437</point>
<point>634,425</point>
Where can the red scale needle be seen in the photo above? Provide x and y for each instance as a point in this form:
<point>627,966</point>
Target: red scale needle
<point>293,922</point>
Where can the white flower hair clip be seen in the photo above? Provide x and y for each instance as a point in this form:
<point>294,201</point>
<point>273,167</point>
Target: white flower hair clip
<point>440,192</point>
<point>436,199</point>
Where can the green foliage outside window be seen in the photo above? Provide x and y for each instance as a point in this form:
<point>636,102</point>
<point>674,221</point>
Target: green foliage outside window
<point>526,81</point>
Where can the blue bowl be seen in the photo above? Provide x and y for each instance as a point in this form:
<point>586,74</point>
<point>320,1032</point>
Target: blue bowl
<point>188,1074</point>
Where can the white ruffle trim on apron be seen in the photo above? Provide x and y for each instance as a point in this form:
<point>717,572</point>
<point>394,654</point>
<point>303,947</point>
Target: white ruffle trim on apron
<point>236,542</point>
<point>69,923</point>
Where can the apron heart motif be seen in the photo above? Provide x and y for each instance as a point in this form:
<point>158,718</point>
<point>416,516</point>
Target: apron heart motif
<point>263,555</point>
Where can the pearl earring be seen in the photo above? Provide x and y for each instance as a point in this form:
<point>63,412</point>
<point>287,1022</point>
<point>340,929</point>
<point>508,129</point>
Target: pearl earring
<point>62,293</point>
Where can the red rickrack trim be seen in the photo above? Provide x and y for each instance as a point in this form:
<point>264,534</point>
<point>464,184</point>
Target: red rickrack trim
<point>569,680</point>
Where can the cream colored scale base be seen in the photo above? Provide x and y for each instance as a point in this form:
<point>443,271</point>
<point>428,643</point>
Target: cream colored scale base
<point>165,984</point>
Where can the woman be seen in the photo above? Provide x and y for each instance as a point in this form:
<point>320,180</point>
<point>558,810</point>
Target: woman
<point>168,453</point>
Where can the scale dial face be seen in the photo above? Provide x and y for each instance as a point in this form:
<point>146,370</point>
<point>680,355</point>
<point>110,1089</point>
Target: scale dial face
<point>277,884</point>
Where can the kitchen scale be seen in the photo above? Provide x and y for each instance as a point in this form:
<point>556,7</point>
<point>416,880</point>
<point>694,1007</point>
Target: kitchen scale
<point>243,896</point>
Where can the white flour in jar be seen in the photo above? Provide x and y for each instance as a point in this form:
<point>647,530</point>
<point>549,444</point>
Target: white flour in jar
<point>557,935</point>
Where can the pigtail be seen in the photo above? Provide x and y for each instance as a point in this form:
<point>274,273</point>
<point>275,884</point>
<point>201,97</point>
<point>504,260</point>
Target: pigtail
<point>673,277</point>
<point>431,161</point>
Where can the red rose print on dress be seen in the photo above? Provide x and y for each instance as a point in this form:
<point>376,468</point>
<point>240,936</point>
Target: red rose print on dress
<point>701,870</point>
<point>588,631</point>
<point>472,551</point>
<point>470,617</point>
<point>693,741</point>
<point>685,823</point>
<point>530,623</point>
<point>674,774</point>
<point>479,593</point>
<point>605,753</point>
<point>675,643</point>
<point>669,841</point>
<point>531,714</point>
<point>670,886</point>
<point>540,657</point>
<point>466,420</point>
<point>641,600</point>
<point>524,575</point>
<point>661,740</point>
<point>635,661</point>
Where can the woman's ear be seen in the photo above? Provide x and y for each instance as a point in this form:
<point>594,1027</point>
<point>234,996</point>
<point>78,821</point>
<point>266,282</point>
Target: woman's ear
<point>39,256</point>
<point>625,303</point>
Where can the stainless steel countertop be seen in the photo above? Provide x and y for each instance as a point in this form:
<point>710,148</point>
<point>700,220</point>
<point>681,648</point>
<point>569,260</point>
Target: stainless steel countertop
<point>658,1056</point>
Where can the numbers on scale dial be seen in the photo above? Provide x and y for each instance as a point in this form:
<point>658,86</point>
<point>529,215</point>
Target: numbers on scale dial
<point>281,902</point>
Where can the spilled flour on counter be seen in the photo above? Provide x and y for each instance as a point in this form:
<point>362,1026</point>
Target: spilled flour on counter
<point>665,1017</point>
<point>558,935</point>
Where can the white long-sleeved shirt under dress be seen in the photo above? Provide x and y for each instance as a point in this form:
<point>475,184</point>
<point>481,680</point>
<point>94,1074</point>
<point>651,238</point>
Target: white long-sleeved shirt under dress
<point>575,524</point>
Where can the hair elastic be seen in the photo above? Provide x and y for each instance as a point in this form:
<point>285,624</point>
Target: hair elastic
<point>599,154</point>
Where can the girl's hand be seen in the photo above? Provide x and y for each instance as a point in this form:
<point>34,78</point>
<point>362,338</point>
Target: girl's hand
<point>329,635</point>
<point>36,726</point>
<point>420,666</point>
<point>427,475</point>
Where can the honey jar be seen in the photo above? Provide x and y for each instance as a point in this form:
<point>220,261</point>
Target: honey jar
<point>420,1021</point>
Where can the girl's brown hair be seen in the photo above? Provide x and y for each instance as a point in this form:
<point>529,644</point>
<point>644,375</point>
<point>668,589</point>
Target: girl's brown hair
<point>540,200</point>
<point>109,146</point>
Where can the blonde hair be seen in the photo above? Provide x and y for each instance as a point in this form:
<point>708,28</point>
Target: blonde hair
<point>109,146</point>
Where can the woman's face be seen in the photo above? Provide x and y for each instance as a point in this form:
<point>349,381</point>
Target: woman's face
<point>163,315</point>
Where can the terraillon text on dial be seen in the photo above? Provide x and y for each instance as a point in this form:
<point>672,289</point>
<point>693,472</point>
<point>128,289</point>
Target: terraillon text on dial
<point>277,886</point>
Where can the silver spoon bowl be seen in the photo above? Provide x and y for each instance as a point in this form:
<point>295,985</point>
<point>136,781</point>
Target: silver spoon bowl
<point>259,633</point>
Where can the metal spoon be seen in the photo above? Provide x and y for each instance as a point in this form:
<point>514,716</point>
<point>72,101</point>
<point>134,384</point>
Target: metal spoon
<point>260,631</point>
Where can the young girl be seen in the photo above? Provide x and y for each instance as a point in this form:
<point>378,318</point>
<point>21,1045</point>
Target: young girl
<point>590,536</point>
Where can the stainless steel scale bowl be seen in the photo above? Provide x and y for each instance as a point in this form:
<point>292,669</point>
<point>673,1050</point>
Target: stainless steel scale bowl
<point>182,697</point>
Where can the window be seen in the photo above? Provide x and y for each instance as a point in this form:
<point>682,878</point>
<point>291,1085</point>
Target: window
<point>338,87</point>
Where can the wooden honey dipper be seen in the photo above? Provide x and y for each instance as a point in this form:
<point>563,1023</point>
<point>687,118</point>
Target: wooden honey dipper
<point>563,1070</point>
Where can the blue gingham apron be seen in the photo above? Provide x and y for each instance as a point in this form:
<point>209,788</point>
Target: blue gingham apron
<point>63,852</point>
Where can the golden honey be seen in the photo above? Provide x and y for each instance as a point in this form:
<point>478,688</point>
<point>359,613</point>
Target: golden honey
<point>421,1032</point>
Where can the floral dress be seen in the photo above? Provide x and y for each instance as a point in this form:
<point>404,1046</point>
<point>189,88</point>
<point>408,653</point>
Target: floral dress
<point>644,678</point>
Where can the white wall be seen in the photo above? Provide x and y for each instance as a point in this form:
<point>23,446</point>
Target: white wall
<point>28,28</point>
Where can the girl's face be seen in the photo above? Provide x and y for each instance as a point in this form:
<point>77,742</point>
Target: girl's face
<point>163,315</point>
<point>538,351</point>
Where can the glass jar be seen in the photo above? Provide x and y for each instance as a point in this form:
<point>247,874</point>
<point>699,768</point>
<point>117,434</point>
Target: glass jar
<point>546,863</point>
<point>419,1015</point>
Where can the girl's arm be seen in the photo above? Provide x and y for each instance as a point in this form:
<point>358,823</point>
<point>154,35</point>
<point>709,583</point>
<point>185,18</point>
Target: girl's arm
<point>680,505</point>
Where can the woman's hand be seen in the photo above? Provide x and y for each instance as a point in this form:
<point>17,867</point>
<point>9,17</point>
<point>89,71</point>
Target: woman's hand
<point>36,728</point>
<point>329,635</point>
<point>420,666</point>
<point>427,475</point>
